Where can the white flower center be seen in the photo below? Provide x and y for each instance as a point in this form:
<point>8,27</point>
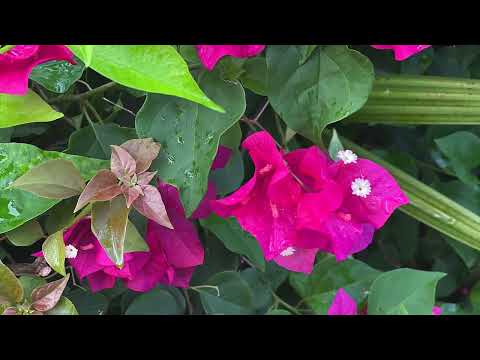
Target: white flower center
<point>289,251</point>
<point>361,187</point>
<point>71,252</point>
<point>347,156</point>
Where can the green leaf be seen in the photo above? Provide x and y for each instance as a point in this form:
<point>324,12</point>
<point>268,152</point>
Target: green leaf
<point>319,288</point>
<point>133,240</point>
<point>88,303</point>
<point>5,48</point>
<point>190,135</point>
<point>152,68</point>
<point>84,52</point>
<point>18,206</point>
<point>305,52</point>
<point>261,289</point>
<point>235,239</point>
<point>236,297</point>
<point>57,76</point>
<point>109,224</point>
<point>54,252</point>
<point>402,292</point>
<point>335,145</point>
<point>17,110</point>
<point>26,235</point>
<point>63,307</point>
<point>159,301</point>
<point>462,149</point>
<point>333,83</point>
<point>229,178</point>
<point>53,179</point>
<point>10,287</point>
<point>96,142</point>
<point>29,283</point>
<point>254,77</point>
<point>6,135</point>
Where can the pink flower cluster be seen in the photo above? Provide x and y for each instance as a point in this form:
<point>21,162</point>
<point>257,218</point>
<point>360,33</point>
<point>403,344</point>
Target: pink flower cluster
<point>17,63</point>
<point>299,203</point>
<point>173,253</point>
<point>344,304</point>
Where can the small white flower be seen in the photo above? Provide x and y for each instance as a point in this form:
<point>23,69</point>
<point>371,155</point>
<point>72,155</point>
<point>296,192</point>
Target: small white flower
<point>347,156</point>
<point>361,187</point>
<point>71,252</point>
<point>289,251</point>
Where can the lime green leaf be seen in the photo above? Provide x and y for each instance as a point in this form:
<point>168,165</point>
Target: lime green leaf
<point>152,68</point>
<point>235,239</point>
<point>17,110</point>
<point>84,52</point>
<point>319,288</point>
<point>10,287</point>
<point>63,307</point>
<point>54,252</point>
<point>333,83</point>
<point>18,206</point>
<point>53,179</point>
<point>159,301</point>
<point>26,235</point>
<point>109,224</point>
<point>403,292</point>
<point>190,135</point>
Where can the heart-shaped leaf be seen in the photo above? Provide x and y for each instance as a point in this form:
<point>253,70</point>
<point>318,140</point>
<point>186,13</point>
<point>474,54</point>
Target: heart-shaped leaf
<point>331,84</point>
<point>63,307</point>
<point>53,179</point>
<point>403,292</point>
<point>57,76</point>
<point>189,135</point>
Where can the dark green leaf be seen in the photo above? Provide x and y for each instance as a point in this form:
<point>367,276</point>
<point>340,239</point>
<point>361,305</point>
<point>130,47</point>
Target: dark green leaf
<point>159,301</point>
<point>57,76</point>
<point>26,235</point>
<point>235,239</point>
<point>63,307</point>
<point>402,292</point>
<point>190,135</point>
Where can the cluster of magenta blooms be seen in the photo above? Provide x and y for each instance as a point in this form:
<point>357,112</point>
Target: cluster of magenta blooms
<point>295,205</point>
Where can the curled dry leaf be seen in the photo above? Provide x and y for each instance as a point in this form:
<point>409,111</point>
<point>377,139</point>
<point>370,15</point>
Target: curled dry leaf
<point>47,296</point>
<point>151,206</point>
<point>122,164</point>
<point>103,187</point>
<point>144,151</point>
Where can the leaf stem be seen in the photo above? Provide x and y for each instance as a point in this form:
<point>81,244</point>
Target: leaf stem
<point>85,95</point>
<point>285,304</point>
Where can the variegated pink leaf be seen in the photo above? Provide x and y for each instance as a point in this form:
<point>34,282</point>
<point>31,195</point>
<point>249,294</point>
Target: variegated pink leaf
<point>103,187</point>
<point>151,206</point>
<point>144,151</point>
<point>122,164</point>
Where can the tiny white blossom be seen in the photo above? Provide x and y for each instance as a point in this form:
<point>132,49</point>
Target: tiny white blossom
<point>71,252</point>
<point>347,156</point>
<point>289,251</point>
<point>361,187</point>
